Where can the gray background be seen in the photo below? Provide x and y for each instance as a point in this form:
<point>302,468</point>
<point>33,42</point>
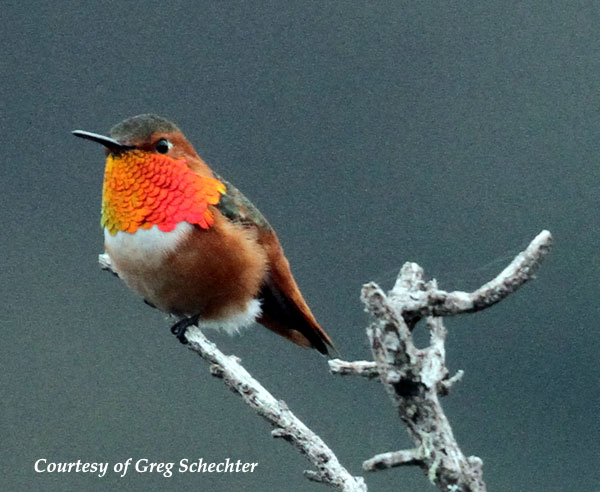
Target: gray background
<point>369,133</point>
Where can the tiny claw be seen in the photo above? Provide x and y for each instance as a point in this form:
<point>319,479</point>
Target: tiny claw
<point>179,329</point>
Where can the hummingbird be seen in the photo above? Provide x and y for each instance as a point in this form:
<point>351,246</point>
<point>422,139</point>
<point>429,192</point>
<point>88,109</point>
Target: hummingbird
<point>189,242</point>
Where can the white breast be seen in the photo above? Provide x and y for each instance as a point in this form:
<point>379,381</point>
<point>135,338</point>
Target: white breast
<point>137,257</point>
<point>145,245</point>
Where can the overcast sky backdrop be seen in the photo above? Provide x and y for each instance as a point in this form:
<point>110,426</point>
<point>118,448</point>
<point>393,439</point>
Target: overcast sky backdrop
<point>370,134</point>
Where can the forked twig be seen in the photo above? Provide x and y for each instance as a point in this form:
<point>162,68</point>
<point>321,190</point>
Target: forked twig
<point>416,378</point>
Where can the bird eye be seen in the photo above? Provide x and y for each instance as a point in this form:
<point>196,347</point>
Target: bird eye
<point>163,146</point>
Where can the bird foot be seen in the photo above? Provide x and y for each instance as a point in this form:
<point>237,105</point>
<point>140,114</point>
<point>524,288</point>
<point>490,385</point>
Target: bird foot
<point>179,329</point>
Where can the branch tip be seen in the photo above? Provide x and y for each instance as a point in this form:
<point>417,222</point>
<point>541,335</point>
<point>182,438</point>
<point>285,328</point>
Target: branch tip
<point>392,459</point>
<point>367,369</point>
<point>446,384</point>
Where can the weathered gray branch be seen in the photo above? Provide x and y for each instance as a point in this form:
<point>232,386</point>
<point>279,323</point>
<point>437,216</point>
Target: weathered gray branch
<point>416,378</point>
<point>364,368</point>
<point>286,425</point>
<point>419,298</point>
<point>276,412</point>
<point>395,458</point>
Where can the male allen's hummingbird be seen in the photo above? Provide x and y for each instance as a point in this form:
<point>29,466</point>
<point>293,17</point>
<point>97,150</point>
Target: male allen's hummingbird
<point>189,242</point>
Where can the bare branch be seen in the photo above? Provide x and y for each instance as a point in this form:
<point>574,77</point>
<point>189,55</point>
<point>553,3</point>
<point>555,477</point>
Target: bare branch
<point>363,368</point>
<point>105,263</point>
<point>276,412</point>
<point>425,299</point>
<point>416,378</point>
<point>395,458</point>
<point>446,384</point>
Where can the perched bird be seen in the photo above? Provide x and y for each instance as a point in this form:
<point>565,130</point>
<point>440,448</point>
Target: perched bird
<point>189,242</point>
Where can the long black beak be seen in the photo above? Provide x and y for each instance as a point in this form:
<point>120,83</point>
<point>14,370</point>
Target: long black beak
<point>110,143</point>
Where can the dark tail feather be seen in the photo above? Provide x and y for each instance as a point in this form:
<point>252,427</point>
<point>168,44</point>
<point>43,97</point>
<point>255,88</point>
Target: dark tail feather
<point>283,316</point>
